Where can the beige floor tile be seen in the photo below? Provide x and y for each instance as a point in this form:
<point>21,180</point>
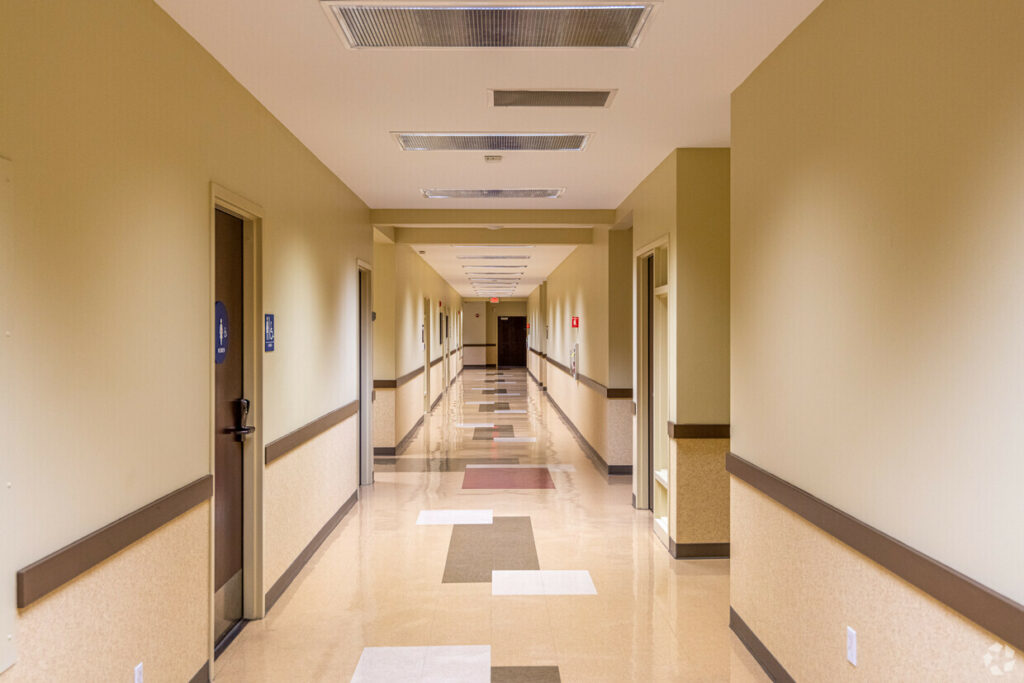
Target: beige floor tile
<point>377,580</point>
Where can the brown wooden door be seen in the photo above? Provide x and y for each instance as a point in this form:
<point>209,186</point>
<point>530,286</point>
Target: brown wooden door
<point>229,368</point>
<point>512,341</point>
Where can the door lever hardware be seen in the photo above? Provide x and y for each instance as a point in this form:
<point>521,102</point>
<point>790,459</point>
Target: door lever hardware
<point>242,413</point>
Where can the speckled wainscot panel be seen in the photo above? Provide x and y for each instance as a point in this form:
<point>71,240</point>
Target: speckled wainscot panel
<point>149,603</point>
<point>816,586</point>
<point>384,418</point>
<point>303,489</point>
<point>699,510</point>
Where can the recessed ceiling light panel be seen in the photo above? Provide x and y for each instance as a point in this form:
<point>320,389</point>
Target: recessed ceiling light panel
<point>460,24</point>
<point>495,257</point>
<point>492,142</point>
<point>551,98</point>
<point>494,194</point>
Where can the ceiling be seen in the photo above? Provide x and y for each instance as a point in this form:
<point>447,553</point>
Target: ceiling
<point>516,269</point>
<point>343,104</point>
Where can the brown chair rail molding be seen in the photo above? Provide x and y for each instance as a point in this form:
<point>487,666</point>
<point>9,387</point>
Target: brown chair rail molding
<point>473,346</point>
<point>592,383</point>
<point>53,571</point>
<point>409,376</point>
<point>289,442</point>
<point>990,610</point>
<point>692,431</point>
<point>385,384</point>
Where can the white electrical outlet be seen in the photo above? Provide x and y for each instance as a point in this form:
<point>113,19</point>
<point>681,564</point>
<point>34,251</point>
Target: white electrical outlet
<point>138,673</point>
<point>851,646</point>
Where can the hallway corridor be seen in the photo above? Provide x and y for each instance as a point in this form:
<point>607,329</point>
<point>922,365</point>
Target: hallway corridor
<point>384,581</point>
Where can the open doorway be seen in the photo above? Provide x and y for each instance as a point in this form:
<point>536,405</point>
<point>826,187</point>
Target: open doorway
<point>426,355</point>
<point>652,447</point>
<point>365,374</point>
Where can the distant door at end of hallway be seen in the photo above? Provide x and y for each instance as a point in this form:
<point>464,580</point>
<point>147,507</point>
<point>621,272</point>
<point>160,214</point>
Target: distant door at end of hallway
<point>512,341</point>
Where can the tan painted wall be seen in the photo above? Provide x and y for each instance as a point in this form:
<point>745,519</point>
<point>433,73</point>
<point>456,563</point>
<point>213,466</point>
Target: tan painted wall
<point>117,122</point>
<point>580,286</point>
<point>397,331</point>
<point>620,308</point>
<point>384,307</point>
<point>414,281</point>
<point>475,328</point>
<point>701,288</point>
<point>877,277</point>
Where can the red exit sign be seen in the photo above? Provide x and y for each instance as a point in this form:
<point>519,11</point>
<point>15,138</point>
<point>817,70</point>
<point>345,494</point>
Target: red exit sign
<point>575,321</point>
<point>494,299</point>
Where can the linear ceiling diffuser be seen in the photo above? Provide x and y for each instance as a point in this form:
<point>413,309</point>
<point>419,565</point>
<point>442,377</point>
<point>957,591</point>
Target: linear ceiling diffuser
<point>486,142</point>
<point>398,24</point>
<point>552,98</point>
<point>493,194</point>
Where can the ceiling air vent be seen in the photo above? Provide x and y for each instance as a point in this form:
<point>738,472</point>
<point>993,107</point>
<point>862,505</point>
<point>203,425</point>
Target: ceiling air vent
<point>552,98</point>
<point>398,24</point>
<point>492,142</point>
<point>494,194</point>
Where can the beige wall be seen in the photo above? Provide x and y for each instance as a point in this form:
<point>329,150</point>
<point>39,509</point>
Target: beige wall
<point>398,349</point>
<point>384,307</point>
<point>582,286</point>
<point>115,133</point>
<point>877,276</point>
<point>620,308</point>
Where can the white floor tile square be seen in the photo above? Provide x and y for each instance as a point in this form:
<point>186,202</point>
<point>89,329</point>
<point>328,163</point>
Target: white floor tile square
<point>429,517</point>
<point>461,663</point>
<point>542,582</point>
<point>516,439</point>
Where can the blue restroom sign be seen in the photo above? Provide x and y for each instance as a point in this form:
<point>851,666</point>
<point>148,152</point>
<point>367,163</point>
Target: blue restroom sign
<point>220,332</point>
<point>268,332</point>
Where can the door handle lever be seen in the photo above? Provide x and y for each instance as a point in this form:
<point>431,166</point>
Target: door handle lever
<point>241,431</point>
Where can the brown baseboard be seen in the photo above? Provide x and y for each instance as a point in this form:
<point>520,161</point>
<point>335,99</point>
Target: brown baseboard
<point>697,551</point>
<point>281,585</point>
<point>437,400</point>
<point>475,367</point>
<point>203,675</point>
<point>404,443</point>
<point>383,450</point>
<point>761,654</point>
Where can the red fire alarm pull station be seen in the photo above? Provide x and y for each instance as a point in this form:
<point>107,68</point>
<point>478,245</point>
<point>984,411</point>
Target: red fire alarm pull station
<point>494,299</point>
<point>527,325</point>
<point>575,321</point>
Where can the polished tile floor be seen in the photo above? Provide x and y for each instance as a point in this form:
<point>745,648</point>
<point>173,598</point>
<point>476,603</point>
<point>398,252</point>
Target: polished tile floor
<point>553,577</point>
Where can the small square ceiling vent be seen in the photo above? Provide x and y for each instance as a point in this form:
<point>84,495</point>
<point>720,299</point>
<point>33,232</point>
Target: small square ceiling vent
<point>494,194</point>
<point>551,98</point>
<point>492,142</point>
<point>455,24</point>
